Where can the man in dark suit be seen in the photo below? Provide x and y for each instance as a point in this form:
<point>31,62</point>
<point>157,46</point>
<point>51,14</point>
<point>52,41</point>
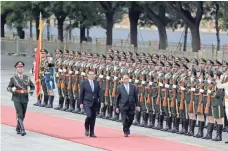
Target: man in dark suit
<point>127,102</point>
<point>90,100</point>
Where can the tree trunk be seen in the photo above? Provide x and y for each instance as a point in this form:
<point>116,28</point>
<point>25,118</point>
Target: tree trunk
<point>60,28</point>
<point>133,17</point>
<point>82,34</point>
<point>195,38</point>
<point>217,26</point>
<point>70,31</point>
<point>30,29</point>
<point>48,29</point>
<point>109,24</point>
<point>3,21</point>
<point>87,32</point>
<point>163,42</point>
<point>185,38</point>
<point>20,33</point>
<point>37,28</point>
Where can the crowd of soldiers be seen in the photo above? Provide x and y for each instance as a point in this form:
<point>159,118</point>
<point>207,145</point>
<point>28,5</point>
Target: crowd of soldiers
<point>174,90</point>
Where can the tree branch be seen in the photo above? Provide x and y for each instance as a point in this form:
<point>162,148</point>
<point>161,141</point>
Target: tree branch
<point>199,12</point>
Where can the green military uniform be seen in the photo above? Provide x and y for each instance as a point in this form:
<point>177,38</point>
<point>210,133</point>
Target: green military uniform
<point>58,78</point>
<point>18,86</point>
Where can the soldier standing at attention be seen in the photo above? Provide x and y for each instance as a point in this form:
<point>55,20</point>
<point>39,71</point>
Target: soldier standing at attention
<point>50,82</point>
<point>18,86</point>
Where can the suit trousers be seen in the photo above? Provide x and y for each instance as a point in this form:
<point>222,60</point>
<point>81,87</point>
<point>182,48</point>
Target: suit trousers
<point>20,109</point>
<point>91,118</point>
<point>127,119</point>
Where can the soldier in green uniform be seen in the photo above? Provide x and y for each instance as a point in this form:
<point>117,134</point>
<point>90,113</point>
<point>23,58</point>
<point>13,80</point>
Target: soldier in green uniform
<point>218,110</point>
<point>43,68</point>
<point>18,86</point>
<point>58,78</point>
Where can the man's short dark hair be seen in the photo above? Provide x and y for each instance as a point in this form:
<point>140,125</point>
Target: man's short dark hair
<point>90,70</point>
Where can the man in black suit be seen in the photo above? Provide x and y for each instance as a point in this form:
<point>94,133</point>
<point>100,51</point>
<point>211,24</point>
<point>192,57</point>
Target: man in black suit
<point>89,100</point>
<point>127,102</point>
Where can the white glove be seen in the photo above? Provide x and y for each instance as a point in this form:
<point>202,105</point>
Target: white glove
<point>136,81</point>
<point>143,82</point>
<point>115,78</point>
<point>130,80</point>
<point>108,78</point>
<point>200,80</point>
<point>64,70</point>
<point>160,84</point>
<point>193,89</point>
<point>201,90</point>
<point>150,83</point>
<point>174,86</point>
<point>83,73</point>
<point>76,72</point>
<point>121,70</point>
<point>182,88</point>
<point>166,85</point>
<point>60,70</point>
<point>209,91</point>
<point>115,68</point>
<point>107,69</point>
<point>14,89</point>
<point>70,72</point>
<point>57,75</point>
<point>209,81</point>
<point>192,79</point>
<point>101,76</point>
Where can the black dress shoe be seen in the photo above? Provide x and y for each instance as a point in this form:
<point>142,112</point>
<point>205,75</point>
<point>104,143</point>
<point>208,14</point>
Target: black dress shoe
<point>226,142</point>
<point>23,133</point>
<point>86,133</point>
<point>92,135</point>
<point>125,135</point>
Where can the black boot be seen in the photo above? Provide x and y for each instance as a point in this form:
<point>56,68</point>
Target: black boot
<point>184,129</point>
<point>61,100</point>
<point>150,122</point>
<point>210,127</point>
<point>20,122</point>
<point>160,122</point>
<point>45,102</point>
<point>71,108</point>
<point>18,130</point>
<point>39,98</point>
<point>168,124</point>
<point>109,114</point>
<point>219,133</point>
<point>176,125</point>
<point>67,102</point>
<point>145,120</point>
<point>51,99</point>
<point>102,113</point>
<point>192,125</point>
<point>200,129</point>
<point>137,118</point>
<point>77,107</point>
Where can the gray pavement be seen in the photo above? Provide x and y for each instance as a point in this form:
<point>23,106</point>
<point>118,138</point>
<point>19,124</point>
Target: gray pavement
<point>5,100</point>
<point>37,142</point>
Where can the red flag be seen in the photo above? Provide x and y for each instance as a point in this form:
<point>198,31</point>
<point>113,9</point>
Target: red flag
<point>38,59</point>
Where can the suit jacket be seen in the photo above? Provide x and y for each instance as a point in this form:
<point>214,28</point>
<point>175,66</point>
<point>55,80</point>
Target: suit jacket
<point>20,84</point>
<point>87,96</point>
<point>123,100</point>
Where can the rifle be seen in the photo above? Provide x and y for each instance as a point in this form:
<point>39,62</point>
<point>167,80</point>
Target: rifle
<point>207,108</point>
<point>174,91</point>
<point>200,105</point>
<point>75,88</point>
<point>107,84</point>
<point>70,78</point>
<point>143,89</point>
<point>114,85</point>
<point>64,77</point>
<point>191,103</point>
<point>166,93</point>
<point>182,96</point>
<point>59,73</point>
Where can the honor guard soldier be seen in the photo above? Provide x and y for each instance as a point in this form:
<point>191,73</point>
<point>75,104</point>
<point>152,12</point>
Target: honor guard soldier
<point>64,82</point>
<point>58,77</point>
<point>43,68</point>
<point>50,82</point>
<point>18,86</point>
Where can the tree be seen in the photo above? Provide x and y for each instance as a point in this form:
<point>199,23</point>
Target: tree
<point>6,10</point>
<point>191,13</point>
<point>113,13</point>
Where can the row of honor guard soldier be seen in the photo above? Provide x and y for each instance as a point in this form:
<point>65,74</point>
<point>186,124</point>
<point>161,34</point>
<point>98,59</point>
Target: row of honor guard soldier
<point>171,89</point>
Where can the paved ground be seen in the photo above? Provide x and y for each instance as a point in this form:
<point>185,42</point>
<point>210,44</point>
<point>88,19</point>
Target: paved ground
<point>5,100</point>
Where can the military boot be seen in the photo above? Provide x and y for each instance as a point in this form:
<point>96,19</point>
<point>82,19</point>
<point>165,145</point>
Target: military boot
<point>18,130</point>
<point>103,111</point>
<point>184,129</point>
<point>71,108</point>
<point>176,124</point>
<point>61,99</point>
<point>192,125</point>
<point>115,117</point>
<point>168,124</point>
<point>109,113</point>
<point>77,107</point>
<point>39,98</point>
<point>137,118</point>
<point>160,122</point>
<point>22,132</point>
<point>45,102</point>
<point>219,133</point>
<point>210,127</point>
<point>225,129</point>
<point>200,129</point>
<point>67,101</point>
<point>50,99</point>
<point>150,123</point>
<point>145,120</point>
